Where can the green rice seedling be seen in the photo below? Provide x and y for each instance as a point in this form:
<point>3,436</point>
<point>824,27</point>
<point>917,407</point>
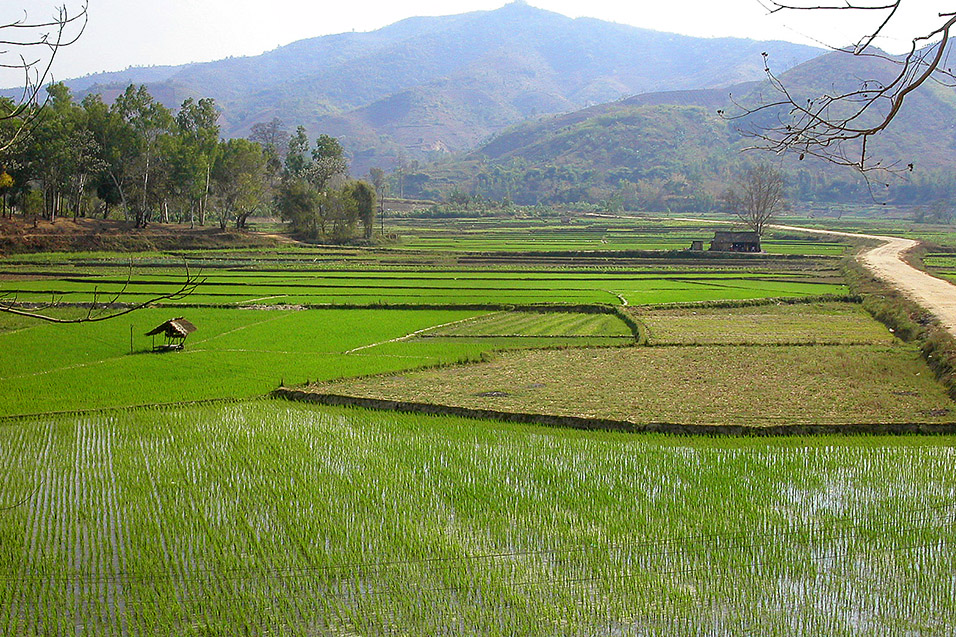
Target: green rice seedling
<point>275,518</point>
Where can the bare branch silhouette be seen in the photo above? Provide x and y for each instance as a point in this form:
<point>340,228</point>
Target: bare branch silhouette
<point>99,311</point>
<point>837,126</point>
<point>31,47</point>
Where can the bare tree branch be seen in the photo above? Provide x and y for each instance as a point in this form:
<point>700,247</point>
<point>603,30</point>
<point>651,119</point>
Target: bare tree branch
<point>19,52</point>
<point>836,127</point>
<point>758,197</point>
<point>10,305</point>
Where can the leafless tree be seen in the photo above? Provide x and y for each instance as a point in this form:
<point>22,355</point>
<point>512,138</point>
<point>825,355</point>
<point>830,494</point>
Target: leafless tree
<point>836,127</point>
<point>758,197</point>
<point>99,309</point>
<point>30,46</point>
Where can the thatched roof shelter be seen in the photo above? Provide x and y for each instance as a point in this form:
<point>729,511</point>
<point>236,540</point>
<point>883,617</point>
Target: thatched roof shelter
<point>175,330</point>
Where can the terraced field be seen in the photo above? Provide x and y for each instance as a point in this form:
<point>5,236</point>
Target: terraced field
<point>242,353</point>
<point>427,286</point>
<point>590,233</point>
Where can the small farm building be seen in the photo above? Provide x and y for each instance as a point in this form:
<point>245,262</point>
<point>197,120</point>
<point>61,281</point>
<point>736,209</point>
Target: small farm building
<point>174,331</point>
<point>696,246</point>
<point>725,241</point>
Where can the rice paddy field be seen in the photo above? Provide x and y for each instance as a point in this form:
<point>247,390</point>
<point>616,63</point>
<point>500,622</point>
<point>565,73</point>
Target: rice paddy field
<point>710,366</point>
<point>941,265</point>
<point>273,518</point>
<point>148,493</point>
<point>594,233</point>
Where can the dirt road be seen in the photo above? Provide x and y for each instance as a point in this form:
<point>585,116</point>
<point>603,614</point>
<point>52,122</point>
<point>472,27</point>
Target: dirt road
<point>886,262</point>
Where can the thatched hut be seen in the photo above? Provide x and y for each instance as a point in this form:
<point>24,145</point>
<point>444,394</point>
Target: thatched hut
<point>174,332</point>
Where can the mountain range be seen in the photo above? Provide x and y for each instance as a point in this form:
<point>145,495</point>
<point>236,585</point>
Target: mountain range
<point>673,149</point>
<point>426,86</point>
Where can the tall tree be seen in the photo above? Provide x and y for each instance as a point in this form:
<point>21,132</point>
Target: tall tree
<point>296,157</point>
<point>328,162</point>
<point>197,137</point>
<point>296,203</point>
<point>271,135</point>
<point>362,194</point>
<point>139,122</point>
<point>240,180</point>
<point>377,177</point>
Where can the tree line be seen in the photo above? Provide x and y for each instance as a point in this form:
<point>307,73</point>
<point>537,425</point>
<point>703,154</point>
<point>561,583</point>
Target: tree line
<point>139,160</point>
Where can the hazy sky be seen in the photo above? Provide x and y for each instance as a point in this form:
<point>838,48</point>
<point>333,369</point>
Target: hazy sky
<point>124,33</point>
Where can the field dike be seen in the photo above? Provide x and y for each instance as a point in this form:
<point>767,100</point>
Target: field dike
<point>909,321</point>
<point>603,424</point>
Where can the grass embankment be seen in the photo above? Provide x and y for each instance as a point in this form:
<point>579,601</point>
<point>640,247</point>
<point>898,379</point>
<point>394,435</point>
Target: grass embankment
<point>909,321</point>
<point>822,364</point>
<point>273,518</point>
<point>19,236</point>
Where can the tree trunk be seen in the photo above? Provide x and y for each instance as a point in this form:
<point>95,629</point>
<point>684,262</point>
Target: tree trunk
<point>205,198</point>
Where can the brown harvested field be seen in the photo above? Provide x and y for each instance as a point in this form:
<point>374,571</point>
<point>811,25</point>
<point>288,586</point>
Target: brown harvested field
<point>818,323</point>
<point>750,385</point>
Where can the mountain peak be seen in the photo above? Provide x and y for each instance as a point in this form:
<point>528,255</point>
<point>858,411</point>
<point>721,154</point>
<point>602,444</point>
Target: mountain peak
<point>456,79</point>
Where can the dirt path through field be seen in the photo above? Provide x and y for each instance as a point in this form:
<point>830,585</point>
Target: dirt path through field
<point>886,262</point>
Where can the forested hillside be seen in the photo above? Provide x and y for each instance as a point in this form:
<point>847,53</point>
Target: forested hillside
<point>426,86</point>
<point>674,150</point>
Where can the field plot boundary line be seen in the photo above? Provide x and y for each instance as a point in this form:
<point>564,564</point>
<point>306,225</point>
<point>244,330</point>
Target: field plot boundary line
<point>606,424</point>
<point>620,297</point>
<point>263,298</point>
<point>118,409</point>
<point>418,332</point>
<point>65,368</point>
<point>244,327</point>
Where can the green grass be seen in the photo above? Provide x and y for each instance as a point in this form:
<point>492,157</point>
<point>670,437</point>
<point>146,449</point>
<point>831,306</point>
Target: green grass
<point>273,518</point>
<point>239,353</point>
<point>550,324</point>
<point>234,354</point>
